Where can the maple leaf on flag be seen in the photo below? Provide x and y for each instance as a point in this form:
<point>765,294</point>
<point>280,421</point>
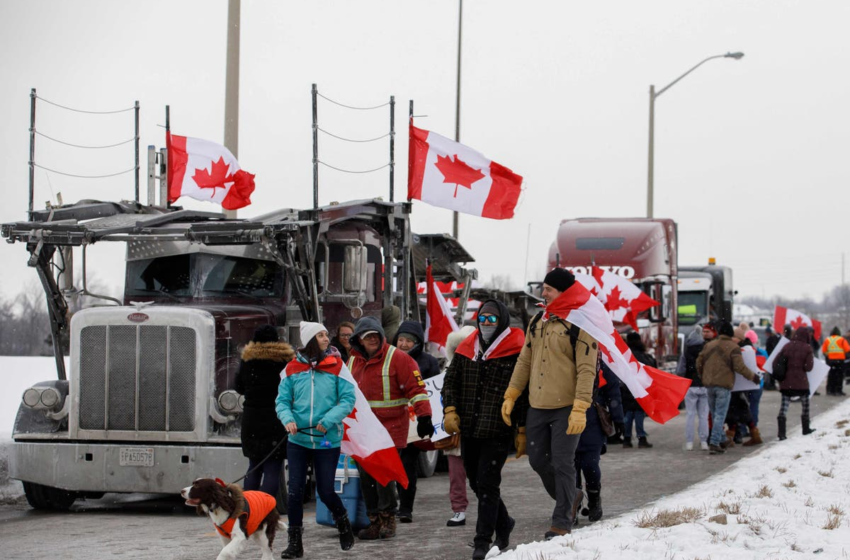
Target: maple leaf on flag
<point>458,172</point>
<point>614,300</point>
<point>216,178</point>
<point>798,322</point>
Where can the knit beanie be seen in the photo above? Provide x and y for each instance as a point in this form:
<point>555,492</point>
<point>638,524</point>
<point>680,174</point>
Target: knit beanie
<point>310,330</point>
<point>560,279</point>
<point>753,337</point>
<point>491,308</point>
<point>726,329</point>
<point>266,333</point>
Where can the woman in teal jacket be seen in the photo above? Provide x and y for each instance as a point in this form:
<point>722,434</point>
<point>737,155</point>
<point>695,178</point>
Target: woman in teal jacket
<point>312,402</point>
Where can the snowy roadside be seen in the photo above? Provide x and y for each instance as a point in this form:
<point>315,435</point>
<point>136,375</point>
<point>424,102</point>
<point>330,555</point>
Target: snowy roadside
<point>789,500</point>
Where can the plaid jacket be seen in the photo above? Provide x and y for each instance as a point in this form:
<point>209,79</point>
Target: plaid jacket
<point>476,389</point>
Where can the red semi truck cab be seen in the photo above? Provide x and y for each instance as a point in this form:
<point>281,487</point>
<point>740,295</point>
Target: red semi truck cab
<point>643,250</point>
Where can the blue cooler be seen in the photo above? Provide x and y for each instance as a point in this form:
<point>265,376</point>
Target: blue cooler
<point>347,485</point>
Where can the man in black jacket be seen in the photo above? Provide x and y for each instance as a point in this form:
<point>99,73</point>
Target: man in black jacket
<point>472,395</point>
<point>410,339</point>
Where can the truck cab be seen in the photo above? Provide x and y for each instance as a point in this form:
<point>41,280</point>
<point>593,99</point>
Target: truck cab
<point>705,294</point>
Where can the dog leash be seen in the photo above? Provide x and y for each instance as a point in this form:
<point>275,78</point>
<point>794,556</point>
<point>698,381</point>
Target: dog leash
<point>281,442</point>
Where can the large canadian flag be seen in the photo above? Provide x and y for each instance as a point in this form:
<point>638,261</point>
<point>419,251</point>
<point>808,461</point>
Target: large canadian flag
<point>658,393</point>
<point>206,171</point>
<point>365,438</point>
<point>450,175</point>
<point>623,300</point>
<point>439,322</point>
<point>786,316</point>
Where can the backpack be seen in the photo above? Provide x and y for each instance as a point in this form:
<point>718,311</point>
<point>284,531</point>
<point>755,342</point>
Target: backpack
<point>780,367</point>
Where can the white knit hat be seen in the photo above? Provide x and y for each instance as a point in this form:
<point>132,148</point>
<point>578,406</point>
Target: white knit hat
<point>309,330</point>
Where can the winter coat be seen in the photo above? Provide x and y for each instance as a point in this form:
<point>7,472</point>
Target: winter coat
<point>771,343</point>
<point>719,361</point>
<point>312,395</point>
<point>630,404</point>
<point>593,438</point>
<point>835,348</point>
<point>687,366</point>
<point>428,364</point>
<point>257,379</point>
<point>476,381</point>
<point>800,360</point>
<point>403,379</point>
<point>549,368</point>
<point>343,353</point>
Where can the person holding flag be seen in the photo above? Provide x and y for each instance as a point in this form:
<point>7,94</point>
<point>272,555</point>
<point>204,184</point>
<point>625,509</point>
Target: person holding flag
<point>557,366</point>
<point>312,402</point>
<point>475,380</point>
<point>389,380</point>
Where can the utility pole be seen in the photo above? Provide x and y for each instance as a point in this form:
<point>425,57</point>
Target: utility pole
<point>231,85</point>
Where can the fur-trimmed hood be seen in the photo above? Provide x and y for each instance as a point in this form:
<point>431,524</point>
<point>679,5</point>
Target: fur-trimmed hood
<point>274,351</point>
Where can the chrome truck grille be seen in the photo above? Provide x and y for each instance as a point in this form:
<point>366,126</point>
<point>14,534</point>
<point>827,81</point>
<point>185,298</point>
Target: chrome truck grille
<point>137,378</point>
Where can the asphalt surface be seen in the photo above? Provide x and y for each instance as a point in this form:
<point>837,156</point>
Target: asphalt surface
<point>157,528</point>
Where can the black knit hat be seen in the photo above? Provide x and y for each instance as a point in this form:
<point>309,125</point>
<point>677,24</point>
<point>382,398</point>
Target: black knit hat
<point>633,337</point>
<point>727,329</point>
<point>560,279</point>
<point>266,333</point>
<point>490,307</point>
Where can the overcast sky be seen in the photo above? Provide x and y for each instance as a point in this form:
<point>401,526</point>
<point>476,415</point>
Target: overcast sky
<point>750,155</point>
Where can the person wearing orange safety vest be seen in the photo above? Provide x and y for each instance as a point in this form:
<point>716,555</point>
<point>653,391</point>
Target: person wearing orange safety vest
<point>835,348</point>
<point>390,380</point>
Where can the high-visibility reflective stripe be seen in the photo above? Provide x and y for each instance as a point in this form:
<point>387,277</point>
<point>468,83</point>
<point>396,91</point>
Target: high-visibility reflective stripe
<point>388,404</point>
<point>833,347</point>
<point>386,373</point>
<point>418,398</point>
<point>351,362</point>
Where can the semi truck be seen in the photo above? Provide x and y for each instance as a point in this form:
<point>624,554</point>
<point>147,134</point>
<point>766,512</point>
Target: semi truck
<point>642,250</point>
<point>706,293</point>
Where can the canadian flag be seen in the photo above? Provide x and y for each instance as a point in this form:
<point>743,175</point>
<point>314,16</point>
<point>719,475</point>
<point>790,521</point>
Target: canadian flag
<point>658,393</point>
<point>786,316</point>
<point>365,438</point>
<point>450,175</point>
<point>439,322</point>
<point>623,300</point>
<point>206,171</point>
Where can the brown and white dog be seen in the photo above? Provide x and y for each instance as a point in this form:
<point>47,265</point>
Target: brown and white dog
<point>237,515</point>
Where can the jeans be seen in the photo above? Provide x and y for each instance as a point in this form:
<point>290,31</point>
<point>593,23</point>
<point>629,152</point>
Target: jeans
<point>324,471</point>
<point>637,417</point>
<point>587,463</point>
<point>718,403</point>
<point>379,499</point>
<point>696,405</point>
<point>551,453</point>
<point>754,397</point>
<point>410,460</point>
<point>483,460</point>
<point>457,484</point>
<point>266,478</point>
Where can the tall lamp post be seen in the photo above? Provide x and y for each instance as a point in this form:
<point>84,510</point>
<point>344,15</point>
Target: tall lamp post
<point>652,96</point>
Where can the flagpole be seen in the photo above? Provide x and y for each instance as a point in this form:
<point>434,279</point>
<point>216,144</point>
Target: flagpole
<point>456,215</point>
<point>315,93</point>
<point>392,148</point>
<point>231,84</point>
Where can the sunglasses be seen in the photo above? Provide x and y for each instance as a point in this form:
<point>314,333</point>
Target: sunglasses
<point>492,319</point>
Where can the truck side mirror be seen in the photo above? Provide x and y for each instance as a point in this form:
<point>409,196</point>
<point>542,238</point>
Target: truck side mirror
<point>354,269</point>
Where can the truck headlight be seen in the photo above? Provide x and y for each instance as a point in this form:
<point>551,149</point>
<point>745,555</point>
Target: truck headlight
<point>32,397</point>
<point>230,401</point>
<point>50,397</point>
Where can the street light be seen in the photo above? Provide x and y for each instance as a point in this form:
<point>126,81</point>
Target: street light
<point>652,96</point>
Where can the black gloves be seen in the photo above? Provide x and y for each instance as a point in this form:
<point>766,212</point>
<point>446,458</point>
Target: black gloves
<point>424,428</point>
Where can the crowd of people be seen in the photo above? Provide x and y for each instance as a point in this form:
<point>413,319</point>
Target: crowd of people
<point>503,388</point>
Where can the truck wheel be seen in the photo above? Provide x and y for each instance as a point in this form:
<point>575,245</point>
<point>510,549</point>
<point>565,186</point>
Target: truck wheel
<point>428,463</point>
<point>46,497</point>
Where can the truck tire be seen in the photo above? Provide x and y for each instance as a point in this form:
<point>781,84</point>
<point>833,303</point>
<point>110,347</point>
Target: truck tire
<point>48,498</point>
<point>428,463</point>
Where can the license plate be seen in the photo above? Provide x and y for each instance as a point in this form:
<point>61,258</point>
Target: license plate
<point>136,457</point>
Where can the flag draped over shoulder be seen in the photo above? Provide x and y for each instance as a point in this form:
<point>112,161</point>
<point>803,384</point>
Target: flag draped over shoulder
<point>623,300</point>
<point>658,393</point>
<point>439,322</point>
<point>206,171</point>
<point>786,316</point>
<point>450,175</point>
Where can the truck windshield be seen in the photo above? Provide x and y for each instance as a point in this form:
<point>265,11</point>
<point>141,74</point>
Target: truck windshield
<point>692,307</point>
<point>200,275</point>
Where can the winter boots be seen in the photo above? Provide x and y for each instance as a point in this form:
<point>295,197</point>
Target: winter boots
<point>373,531</point>
<point>346,534</point>
<point>780,422</point>
<point>387,525</point>
<point>807,429</point>
<point>593,511</point>
<point>643,444</point>
<point>730,438</point>
<point>295,548</point>
<point>755,438</point>
<point>503,538</point>
<point>627,442</point>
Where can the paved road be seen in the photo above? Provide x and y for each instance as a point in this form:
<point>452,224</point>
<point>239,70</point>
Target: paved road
<point>157,528</point>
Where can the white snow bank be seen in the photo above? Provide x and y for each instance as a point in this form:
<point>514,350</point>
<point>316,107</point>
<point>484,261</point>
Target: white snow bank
<point>789,500</point>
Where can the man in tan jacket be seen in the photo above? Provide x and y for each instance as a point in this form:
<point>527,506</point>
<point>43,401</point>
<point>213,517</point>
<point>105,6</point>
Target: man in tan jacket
<point>716,365</point>
<point>558,365</point>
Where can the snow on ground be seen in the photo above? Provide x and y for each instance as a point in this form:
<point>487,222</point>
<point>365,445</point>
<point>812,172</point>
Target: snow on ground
<point>790,500</point>
<point>16,374</point>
